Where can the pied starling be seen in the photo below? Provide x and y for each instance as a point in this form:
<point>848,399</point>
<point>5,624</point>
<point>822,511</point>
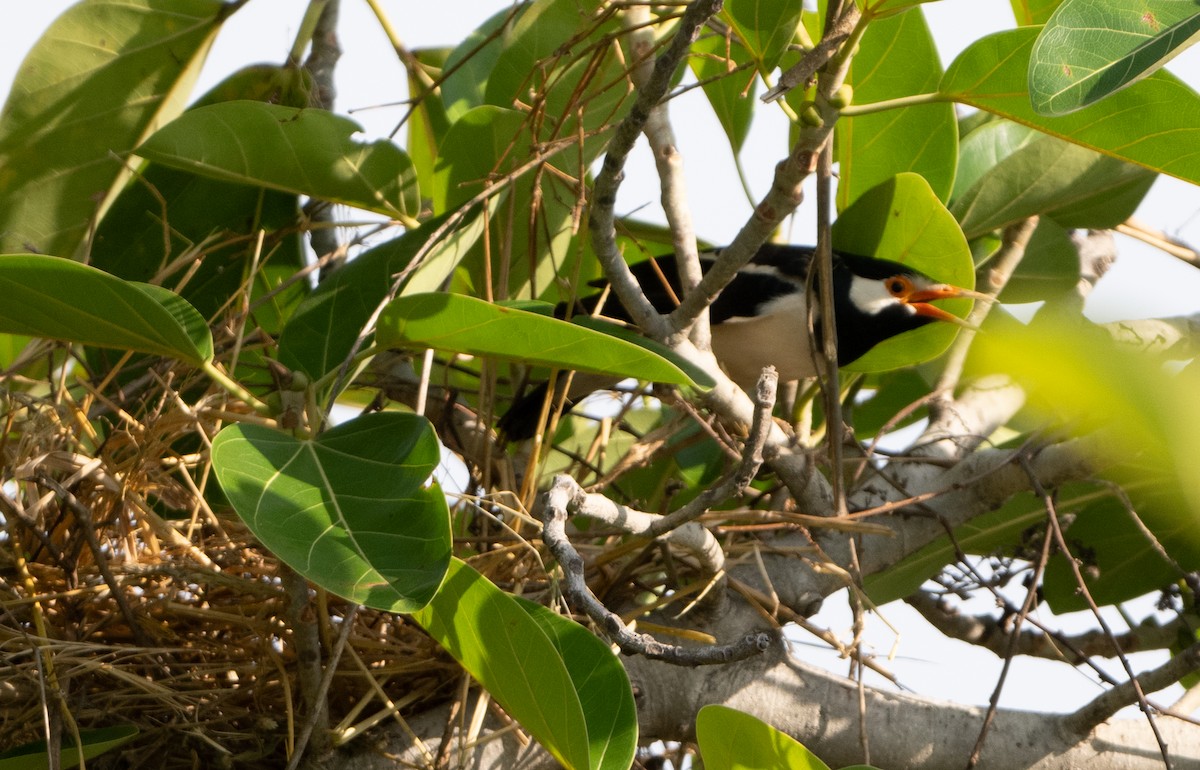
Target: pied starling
<point>761,318</point>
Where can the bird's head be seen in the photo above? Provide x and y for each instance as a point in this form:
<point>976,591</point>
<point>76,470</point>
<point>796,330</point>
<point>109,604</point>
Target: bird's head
<point>876,299</point>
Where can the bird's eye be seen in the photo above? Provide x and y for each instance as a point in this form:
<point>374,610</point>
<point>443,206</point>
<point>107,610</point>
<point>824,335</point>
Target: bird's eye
<point>898,286</point>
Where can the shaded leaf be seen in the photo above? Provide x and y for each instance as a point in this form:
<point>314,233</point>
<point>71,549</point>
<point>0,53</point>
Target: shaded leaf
<point>350,509</point>
<point>461,324</point>
<point>305,151</point>
<point>1049,268</point>
<point>714,61</point>
<point>765,27</point>
<point>95,741</point>
<point>902,220</point>
<point>102,76</point>
<point>1092,48</point>
<point>1036,174</point>
<point>60,299</point>
<point>319,335</point>
<point>1145,123</point>
<point>507,652</point>
<point>163,214</point>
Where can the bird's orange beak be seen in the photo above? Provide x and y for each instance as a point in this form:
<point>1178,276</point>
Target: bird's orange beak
<point>919,299</point>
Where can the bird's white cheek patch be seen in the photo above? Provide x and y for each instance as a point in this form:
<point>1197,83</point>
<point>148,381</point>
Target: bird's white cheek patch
<point>872,296</point>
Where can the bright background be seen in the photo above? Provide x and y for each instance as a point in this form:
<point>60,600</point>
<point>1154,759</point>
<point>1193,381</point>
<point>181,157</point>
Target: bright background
<point>1143,283</point>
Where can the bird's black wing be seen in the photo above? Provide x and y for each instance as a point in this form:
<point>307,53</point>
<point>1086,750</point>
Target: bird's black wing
<point>775,271</point>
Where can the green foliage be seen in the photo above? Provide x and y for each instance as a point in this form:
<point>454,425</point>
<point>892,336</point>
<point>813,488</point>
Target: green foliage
<point>580,709</point>
<point>101,77</point>
<point>177,235</point>
<point>733,740</point>
<point>94,742</point>
<point>459,324</point>
<point>61,299</point>
<point>1092,48</point>
<point>305,151</point>
<point>902,220</point>
<point>351,510</point>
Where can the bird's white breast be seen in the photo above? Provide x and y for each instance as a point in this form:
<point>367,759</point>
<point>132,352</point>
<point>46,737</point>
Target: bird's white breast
<point>777,337</point>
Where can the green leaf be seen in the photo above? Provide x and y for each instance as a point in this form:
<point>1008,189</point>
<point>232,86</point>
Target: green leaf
<point>461,324</point>
<point>319,335</point>
<point>714,61</point>
<point>600,682</point>
<point>1118,561</point>
<point>1036,174</point>
<point>765,27</point>
<point>1049,269</point>
<point>1090,49</point>
<point>305,151</point>
<point>102,76</point>
<point>1029,12</point>
<point>60,299</point>
<point>896,58</point>
<point>506,650</point>
<point>1145,123</point>
<point>96,741</point>
<point>350,509</point>
<point>733,740</point>
<point>903,220</point>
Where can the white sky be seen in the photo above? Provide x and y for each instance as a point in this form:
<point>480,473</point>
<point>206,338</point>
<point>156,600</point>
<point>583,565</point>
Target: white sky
<point>1143,283</point>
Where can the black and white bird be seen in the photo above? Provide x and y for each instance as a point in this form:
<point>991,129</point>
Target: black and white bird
<point>761,317</point>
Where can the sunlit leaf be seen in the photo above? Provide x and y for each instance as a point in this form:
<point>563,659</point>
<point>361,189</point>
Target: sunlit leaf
<point>896,58</point>
<point>321,332</point>
<point>1092,48</point>
<point>505,649</point>
<point>305,151</point>
<point>103,76</point>
<point>1145,123</point>
<point>733,740</point>
<point>600,682</point>
<point>350,510</point>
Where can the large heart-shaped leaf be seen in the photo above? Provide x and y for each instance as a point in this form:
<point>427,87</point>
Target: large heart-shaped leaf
<point>461,324</point>
<point>60,299</point>
<point>897,57</point>
<point>903,220</point>
<point>1092,48</point>
<point>350,510</point>
<point>306,151</point>
<point>579,709</point>
<point>102,77</point>
<point>1145,123</point>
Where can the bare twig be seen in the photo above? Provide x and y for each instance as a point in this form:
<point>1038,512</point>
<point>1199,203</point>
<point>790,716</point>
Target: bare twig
<point>565,496</point>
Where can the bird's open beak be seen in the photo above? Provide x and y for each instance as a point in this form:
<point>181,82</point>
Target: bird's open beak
<point>919,300</point>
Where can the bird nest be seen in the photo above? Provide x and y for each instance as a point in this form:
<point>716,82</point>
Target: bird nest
<point>126,600</point>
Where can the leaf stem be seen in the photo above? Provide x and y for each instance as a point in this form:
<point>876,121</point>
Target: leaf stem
<point>235,389</point>
<point>853,110</point>
<point>307,26</point>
